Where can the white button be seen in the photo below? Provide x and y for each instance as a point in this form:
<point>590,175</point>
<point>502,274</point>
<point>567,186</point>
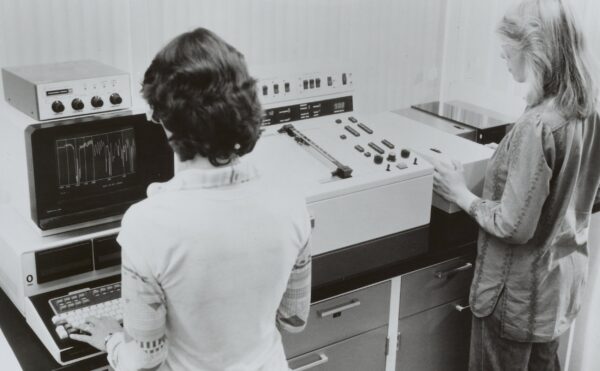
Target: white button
<point>61,332</point>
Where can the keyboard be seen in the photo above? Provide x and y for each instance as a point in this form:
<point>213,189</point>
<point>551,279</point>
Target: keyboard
<point>73,309</point>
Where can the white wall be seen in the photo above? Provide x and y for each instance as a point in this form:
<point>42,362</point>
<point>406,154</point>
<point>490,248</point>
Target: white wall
<point>394,47</point>
<point>473,69</point>
<point>586,338</point>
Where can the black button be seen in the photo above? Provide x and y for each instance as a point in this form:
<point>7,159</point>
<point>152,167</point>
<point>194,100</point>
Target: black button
<point>344,79</point>
<point>388,144</point>
<point>365,128</point>
<point>58,106</point>
<point>367,154</point>
<point>391,157</point>
<point>405,153</point>
<point>378,159</point>
<point>329,81</point>
<point>352,120</point>
<point>376,148</point>
<point>265,90</point>
<point>286,86</point>
<point>352,131</point>
<point>305,84</point>
<point>115,99</point>
<point>77,104</point>
<point>312,83</point>
<point>338,121</point>
<point>359,148</point>
<point>97,102</point>
<point>318,83</point>
<point>276,88</point>
<point>343,136</point>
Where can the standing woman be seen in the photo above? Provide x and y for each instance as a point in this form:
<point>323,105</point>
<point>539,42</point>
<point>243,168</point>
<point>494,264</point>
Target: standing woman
<point>539,190</point>
<point>216,261</point>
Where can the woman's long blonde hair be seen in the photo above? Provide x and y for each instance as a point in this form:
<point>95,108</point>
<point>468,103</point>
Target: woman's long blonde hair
<point>559,64</point>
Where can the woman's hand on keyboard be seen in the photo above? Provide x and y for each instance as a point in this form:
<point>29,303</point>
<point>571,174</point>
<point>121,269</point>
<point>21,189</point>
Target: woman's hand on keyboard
<point>98,329</point>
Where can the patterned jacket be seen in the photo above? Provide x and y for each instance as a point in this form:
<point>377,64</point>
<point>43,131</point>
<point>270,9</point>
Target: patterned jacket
<point>534,215</point>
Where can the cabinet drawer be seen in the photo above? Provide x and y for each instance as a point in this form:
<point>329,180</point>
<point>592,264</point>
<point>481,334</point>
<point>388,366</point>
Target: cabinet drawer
<point>362,352</point>
<point>435,285</point>
<point>340,318</point>
<point>435,339</point>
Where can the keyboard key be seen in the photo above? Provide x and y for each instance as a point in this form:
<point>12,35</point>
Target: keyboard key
<point>62,332</point>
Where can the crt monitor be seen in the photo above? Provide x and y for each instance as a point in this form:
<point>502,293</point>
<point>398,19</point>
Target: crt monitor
<point>92,168</point>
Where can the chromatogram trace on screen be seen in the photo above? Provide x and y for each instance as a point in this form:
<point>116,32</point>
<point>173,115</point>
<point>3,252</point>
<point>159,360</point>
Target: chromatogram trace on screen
<point>88,159</point>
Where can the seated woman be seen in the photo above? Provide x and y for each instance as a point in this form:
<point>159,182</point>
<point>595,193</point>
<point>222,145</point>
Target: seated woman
<point>216,259</point>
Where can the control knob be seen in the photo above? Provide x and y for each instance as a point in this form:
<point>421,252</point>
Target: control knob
<point>97,102</point>
<point>77,104</point>
<point>58,106</point>
<point>391,157</point>
<point>405,153</point>
<point>115,98</point>
<point>378,159</point>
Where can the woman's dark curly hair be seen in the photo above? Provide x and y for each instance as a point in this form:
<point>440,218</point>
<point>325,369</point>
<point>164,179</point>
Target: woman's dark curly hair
<point>200,90</point>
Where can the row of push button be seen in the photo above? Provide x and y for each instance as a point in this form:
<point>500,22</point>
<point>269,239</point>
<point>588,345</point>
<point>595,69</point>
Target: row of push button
<point>265,88</point>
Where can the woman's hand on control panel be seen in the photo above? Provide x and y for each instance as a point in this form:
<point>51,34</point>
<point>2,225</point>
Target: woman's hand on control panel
<point>99,330</point>
<point>449,182</point>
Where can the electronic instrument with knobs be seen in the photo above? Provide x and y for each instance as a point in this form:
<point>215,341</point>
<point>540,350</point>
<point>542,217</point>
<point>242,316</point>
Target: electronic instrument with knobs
<point>53,91</point>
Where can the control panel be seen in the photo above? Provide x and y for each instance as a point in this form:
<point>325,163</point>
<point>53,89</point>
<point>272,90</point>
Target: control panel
<point>353,147</point>
<point>276,90</point>
<point>60,90</point>
<point>84,96</point>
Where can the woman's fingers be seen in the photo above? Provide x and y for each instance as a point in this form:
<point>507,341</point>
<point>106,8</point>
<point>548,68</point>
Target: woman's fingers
<point>457,165</point>
<point>79,337</point>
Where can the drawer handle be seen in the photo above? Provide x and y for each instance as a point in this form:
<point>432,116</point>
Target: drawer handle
<point>461,308</point>
<point>322,359</point>
<point>341,308</point>
<point>446,274</point>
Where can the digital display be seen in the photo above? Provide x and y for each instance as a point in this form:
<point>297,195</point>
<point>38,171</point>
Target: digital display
<point>305,111</point>
<point>92,159</point>
<point>339,106</point>
<point>58,92</point>
<point>94,167</point>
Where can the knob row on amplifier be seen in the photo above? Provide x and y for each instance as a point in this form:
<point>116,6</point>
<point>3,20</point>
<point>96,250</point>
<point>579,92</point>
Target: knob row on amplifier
<point>77,104</point>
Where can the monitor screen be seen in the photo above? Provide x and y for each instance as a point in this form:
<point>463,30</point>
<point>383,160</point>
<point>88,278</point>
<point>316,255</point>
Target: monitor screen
<point>93,168</point>
<point>96,161</point>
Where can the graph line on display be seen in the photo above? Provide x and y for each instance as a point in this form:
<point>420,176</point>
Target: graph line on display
<point>87,159</point>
